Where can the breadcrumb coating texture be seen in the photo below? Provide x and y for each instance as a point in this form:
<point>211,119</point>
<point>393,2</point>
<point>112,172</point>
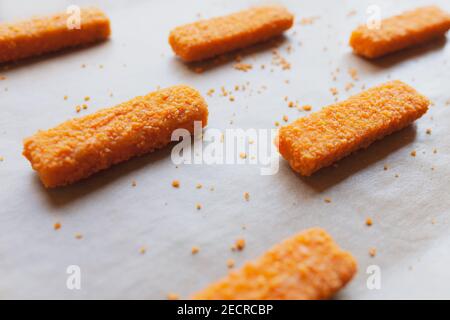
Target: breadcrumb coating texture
<point>400,32</point>
<point>309,265</point>
<point>324,137</point>
<point>208,38</point>
<point>48,34</point>
<point>80,147</point>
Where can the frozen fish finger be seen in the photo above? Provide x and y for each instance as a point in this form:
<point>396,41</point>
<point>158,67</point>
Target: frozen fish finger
<point>80,147</point>
<point>308,266</point>
<point>48,34</point>
<point>396,33</point>
<point>324,137</point>
<point>208,38</point>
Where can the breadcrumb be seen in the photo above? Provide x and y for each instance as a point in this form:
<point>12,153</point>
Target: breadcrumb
<point>195,250</point>
<point>198,206</point>
<point>239,245</point>
<point>307,108</point>
<point>176,183</point>
<point>230,263</point>
<point>373,252</point>
<point>369,222</point>
<point>246,196</point>
<point>78,236</point>
<point>199,186</point>
<point>413,153</point>
<point>285,118</point>
<point>428,131</point>
<point>142,250</point>
<point>243,67</point>
<point>173,296</point>
<point>327,200</point>
<point>57,226</point>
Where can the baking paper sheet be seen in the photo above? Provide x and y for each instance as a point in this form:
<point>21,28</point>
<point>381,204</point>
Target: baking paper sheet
<point>410,212</point>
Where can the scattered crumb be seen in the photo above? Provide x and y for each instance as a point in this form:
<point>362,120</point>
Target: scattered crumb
<point>2,159</point>
<point>307,108</point>
<point>199,186</point>
<point>2,78</point>
<point>369,222</point>
<point>83,65</point>
<point>353,73</point>
<point>327,200</point>
<point>372,252</point>
<point>231,98</point>
<point>243,66</point>
<point>195,250</point>
<point>84,106</point>
<point>385,167</point>
<point>246,196</point>
<point>230,263</point>
<point>243,155</point>
<point>413,153</point>
<point>66,97</point>
<point>397,175</point>
<point>291,104</point>
<point>285,118</point>
<point>198,206</point>
<point>78,109</point>
<point>308,21</point>
<point>428,131</point>
<point>175,183</point>
<point>142,250</point>
<point>87,98</point>
<point>199,70</point>
<point>78,236</point>
<point>334,91</point>
<point>57,226</point>
<point>349,86</point>
<point>133,183</point>
<point>173,296</point>
<point>239,245</point>
<point>434,151</point>
<point>277,123</point>
<point>210,92</point>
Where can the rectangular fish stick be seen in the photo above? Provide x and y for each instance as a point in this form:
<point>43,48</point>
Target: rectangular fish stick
<point>324,137</point>
<point>208,38</point>
<point>307,266</point>
<point>49,34</point>
<point>80,147</point>
<point>400,32</point>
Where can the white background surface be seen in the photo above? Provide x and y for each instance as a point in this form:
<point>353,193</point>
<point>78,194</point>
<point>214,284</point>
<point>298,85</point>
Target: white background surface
<point>116,219</point>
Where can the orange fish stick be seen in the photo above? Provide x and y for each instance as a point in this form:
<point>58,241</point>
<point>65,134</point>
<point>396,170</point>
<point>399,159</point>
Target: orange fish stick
<point>48,34</point>
<point>324,137</point>
<point>208,38</point>
<point>80,147</point>
<point>308,266</point>
<point>403,31</point>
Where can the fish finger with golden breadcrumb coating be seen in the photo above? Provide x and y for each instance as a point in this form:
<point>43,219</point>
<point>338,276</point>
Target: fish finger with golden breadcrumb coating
<point>307,266</point>
<point>37,36</point>
<point>83,146</point>
<point>400,32</point>
<point>208,38</point>
<point>322,138</point>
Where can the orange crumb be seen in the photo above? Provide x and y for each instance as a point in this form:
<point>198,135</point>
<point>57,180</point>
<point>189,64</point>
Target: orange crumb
<point>142,250</point>
<point>291,104</point>
<point>243,155</point>
<point>230,263</point>
<point>78,109</point>
<point>57,226</point>
<point>369,222</point>
<point>195,250</point>
<point>372,252</point>
<point>307,108</point>
<point>334,91</point>
<point>353,73</point>
<point>173,296</point>
<point>246,196</point>
<point>243,67</point>
<point>66,97</point>
<point>285,118</point>
<point>239,244</point>
<point>176,183</point>
<point>413,153</point>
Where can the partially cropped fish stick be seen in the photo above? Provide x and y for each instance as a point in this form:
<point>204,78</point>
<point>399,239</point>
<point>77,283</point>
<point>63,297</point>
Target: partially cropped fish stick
<point>403,31</point>
<point>48,34</point>
<point>324,137</point>
<point>80,147</point>
<point>308,266</point>
<point>208,38</point>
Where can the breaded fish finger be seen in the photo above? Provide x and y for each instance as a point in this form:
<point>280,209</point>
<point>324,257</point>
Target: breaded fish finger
<point>324,137</point>
<point>307,266</point>
<point>208,38</point>
<point>80,147</point>
<point>396,33</point>
<point>48,34</point>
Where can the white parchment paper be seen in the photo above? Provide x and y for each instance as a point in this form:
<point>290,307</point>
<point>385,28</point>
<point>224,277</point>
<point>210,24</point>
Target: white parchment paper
<point>410,212</point>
